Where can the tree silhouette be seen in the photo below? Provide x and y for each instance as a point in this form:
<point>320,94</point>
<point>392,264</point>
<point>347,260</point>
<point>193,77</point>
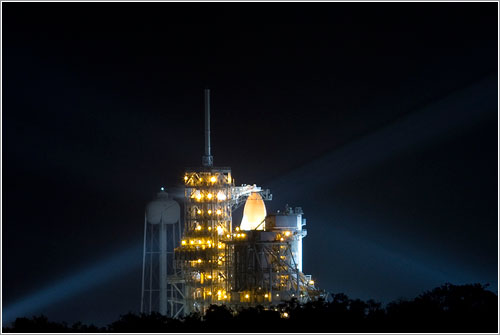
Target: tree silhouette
<point>448,308</point>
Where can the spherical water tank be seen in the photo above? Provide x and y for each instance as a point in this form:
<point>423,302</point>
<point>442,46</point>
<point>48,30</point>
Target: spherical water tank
<point>163,210</point>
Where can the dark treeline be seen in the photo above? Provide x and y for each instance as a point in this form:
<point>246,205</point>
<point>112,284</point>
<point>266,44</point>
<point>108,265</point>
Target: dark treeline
<point>449,308</point>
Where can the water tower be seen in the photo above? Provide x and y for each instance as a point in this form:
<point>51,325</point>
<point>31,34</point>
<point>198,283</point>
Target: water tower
<point>162,232</point>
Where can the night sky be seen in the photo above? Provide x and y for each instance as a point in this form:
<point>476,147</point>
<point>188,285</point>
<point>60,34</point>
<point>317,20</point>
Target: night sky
<point>378,119</point>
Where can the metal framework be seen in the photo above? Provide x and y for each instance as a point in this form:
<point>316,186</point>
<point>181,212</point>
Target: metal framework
<point>264,270</point>
<point>201,257</point>
<point>219,265</point>
<point>212,264</point>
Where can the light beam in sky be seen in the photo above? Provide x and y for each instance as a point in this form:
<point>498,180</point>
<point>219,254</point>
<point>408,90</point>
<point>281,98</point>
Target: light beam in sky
<point>77,283</point>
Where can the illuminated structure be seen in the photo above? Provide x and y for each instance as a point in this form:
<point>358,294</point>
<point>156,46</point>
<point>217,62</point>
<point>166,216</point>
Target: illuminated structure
<point>257,263</point>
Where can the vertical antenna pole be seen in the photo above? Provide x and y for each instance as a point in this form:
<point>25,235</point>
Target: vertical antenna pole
<point>207,158</point>
<point>207,122</point>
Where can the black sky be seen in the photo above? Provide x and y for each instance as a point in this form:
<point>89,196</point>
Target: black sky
<point>379,119</point>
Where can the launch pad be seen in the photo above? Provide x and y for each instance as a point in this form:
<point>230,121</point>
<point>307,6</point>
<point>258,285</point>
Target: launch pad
<point>256,263</point>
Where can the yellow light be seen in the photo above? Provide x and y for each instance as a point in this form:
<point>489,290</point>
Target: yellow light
<point>199,260</point>
<point>213,179</point>
<point>198,227</point>
<point>311,282</point>
<point>183,242</point>
<point>209,293</point>
<point>220,230</point>
<point>209,228</point>
<point>199,241</point>
<point>266,295</point>
<point>198,196</point>
<point>221,196</point>
<point>285,315</point>
<point>238,235</point>
<point>201,179</point>
<point>220,246</point>
<point>199,211</point>
<point>219,212</point>
<point>237,228</point>
<point>287,233</point>
<point>209,277</point>
<point>243,235</point>
<point>281,239</point>
<point>225,296</point>
<point>219,262</point>
<point>247,296</point>
<point>209,195</point>
<point>192,242</point>
<point>185,178</point>
<point>209,211</point>
<point>228,236</point>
